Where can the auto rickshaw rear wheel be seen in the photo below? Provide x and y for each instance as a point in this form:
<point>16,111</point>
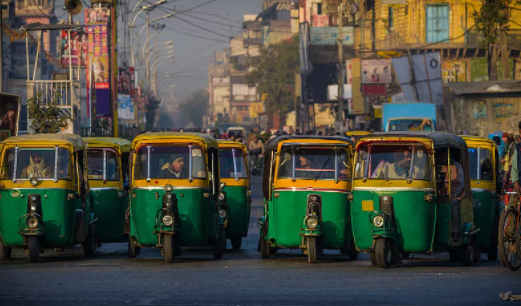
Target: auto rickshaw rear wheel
<point>311,245</point>
<point>492,252</point>
<point>5,252</point>
<point>89,246</point>
<point>383,253</point>
<point>236,243</point>
<point>224,240</point>
<point>133,249</point>
<point>217,248</point>
<point>34,248</point>
<point>168,248</point>
<point>406,255</point>
<point>372,256</point>
<point>350,251</point>
<point>454,256</point>
<point>468,252</point>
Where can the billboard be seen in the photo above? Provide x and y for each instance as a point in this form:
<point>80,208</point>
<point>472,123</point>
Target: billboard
<point>376,71</point>
<point>126,80</point>
<point>78,48</point>
<point>125,107</point>
<point>328,36</point>
<point>97,16</point>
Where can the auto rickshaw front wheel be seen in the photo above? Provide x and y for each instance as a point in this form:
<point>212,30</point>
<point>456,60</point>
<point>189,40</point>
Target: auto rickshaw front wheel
<point>133,249</point>
<point>311,245</point>
<point>383,253</point>
<point>168,248</point>
<point>5,252</point>
<point>34,248</point>
<point>217,247</point>
<point>470,252</point>
<point>264,248</point>
<point>372,257</point>
<point>89,246</point>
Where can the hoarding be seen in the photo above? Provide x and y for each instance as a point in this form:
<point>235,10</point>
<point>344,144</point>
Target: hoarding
<point>328,36</point>
<point>79,48</point>
<point>376,71</point>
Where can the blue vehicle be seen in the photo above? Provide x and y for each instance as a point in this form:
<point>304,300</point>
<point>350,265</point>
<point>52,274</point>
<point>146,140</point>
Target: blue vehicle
<point>408,117</point>
<point>496,137</point>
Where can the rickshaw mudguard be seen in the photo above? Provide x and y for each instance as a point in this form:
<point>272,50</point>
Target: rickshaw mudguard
<point>238,211</point>
<point>110,206</point>
<point>197,213</point>
<point>58,215</point>
<point>25,230</point>
<point>305,231</point>
<point>469,230</point>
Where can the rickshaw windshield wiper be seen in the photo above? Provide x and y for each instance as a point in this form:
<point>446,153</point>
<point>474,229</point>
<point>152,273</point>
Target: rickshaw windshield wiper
<point>322,169</point>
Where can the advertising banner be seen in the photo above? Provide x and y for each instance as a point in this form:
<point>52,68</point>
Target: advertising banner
<point>376,71</point>
<point>9,115</point>
<point>79,48</point>
<point>328,36</point>
<point>125,107</point>
<point>126,80</point>
<point>97,16</point>
<point>321,20</point>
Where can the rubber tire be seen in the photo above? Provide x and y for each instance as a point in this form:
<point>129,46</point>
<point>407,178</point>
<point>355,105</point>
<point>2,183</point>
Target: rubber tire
<point>34,248</point>
<point>311,246</point>
<point>454,256</point>
<point>236,243</point>
<point>168,248</point>
<point>133,250</point>
<point>492,252</point>
<point>372,256</point>
<point>264,247</point>
<point>502,252</point>
<point>224,240</point>
<point>467,254</point>
<point>89,245</point>
<point>406,255</point>
<point>273,250</point>
<point>493,245</point>
<point>383,253</point>
<point>5,252</point>
<point>218,244</point>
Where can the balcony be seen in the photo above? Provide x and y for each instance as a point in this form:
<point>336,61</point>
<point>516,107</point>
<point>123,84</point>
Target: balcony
<point>65,93</point>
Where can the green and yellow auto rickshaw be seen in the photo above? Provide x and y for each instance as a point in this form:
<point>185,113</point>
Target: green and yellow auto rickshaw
<point>412,194</point>
<point>108,160</point>
<point>44,195</point>
<point>235,195</point>
<point>355,135</point>
<point>486,189</point>
<point>305,186</point>
<point>174,194</point>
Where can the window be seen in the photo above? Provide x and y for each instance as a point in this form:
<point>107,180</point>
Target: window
<point>437,27</point>
<point>393,162</point>
<point>408,125</point>
<point>314,163</point>
<point>36,163</point>
<point>231,163</point>
<point>170,162</point>
<point>480,162</point>
<point>390,24</point>
<point>317,8</point>
<point>103,167</point>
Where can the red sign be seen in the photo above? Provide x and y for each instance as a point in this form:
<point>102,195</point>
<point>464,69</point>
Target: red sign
<point>374,90</point>
<point>321,21</point>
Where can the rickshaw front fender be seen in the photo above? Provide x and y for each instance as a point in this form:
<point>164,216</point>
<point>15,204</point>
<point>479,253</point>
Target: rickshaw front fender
<point>224,221</point>
<point>25,230</point>
<point>469,230</point>
<point>305,231</point>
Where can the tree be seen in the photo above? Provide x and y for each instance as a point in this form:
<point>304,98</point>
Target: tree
<point>273,73</point>
<point>492,21</point>
<point>151,109</point>
<point>46,118</point>
<point>195,108</point>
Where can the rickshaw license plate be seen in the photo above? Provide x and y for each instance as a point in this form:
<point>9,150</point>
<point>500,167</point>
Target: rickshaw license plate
<point>367,205</point>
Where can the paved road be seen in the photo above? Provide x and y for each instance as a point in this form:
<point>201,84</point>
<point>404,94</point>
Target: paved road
<point>242,278</point>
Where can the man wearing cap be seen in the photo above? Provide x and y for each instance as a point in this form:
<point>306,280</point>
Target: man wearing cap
<point>175,169</point>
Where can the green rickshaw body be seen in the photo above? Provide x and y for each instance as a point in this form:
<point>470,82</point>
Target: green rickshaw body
<point>58,216</point>
<point>43,194</point>
<point>174,195</point>
<point>286,212</point>
<point>412,236</point>
<point>239,203</point>
<point>485,215</point>
<point>307,178</point>
<point>107,168</point>
<point>194,229</point>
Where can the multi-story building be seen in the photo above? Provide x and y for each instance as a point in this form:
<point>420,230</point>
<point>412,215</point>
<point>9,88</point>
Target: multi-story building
<point>219,87</point>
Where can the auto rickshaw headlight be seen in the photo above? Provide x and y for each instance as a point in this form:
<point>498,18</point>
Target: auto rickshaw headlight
<point>169,188</point>
<point>222,196</point>
<point>223,213</point>
<point>168,220</point>
<point>312,222</point>
<point>32,222</point>
<point>378,221</point>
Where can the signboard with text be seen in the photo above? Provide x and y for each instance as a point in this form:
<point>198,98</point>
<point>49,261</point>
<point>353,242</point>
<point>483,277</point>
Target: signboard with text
<point>376,71</point>
<point>328,36</point>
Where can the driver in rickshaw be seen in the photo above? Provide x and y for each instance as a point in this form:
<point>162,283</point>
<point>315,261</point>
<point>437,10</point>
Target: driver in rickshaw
<point>174,169</point>
<point>37,167</point>
<point>306,164</point>
<point>402,166</point>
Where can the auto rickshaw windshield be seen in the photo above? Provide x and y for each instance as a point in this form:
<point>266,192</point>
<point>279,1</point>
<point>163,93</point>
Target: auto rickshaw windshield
<point>27,163</point>
<point>480,163</point>
<point>231,163</point>
<point>393,162</point>
<point>321,163</point>
<point>103,165</point>
<point>170,162</point>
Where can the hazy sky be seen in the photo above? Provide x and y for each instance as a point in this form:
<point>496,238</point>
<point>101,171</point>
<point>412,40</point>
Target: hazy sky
<point>193,46</point>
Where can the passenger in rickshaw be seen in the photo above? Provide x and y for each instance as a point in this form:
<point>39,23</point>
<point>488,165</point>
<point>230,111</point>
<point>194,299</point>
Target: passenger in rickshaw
<point>175,169</point>
<point>37,167</point>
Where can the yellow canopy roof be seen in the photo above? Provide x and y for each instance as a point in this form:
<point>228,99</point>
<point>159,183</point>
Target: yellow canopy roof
<point>209,140</point>
<point>75,141</point>
<point>475,140</point>
<point>228,143</point>
<point>123,144</point>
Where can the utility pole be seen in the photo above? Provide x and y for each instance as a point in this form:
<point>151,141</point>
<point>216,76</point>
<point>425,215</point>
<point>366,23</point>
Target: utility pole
<point>340,114</point>
<point>146,48</point>
<point>2,50</point>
